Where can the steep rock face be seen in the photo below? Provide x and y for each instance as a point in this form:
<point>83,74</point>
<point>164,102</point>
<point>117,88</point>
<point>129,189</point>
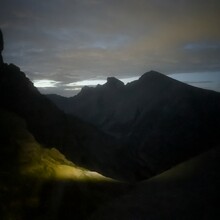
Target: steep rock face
<point>101,102</point>
<point>20,96</point>
<point>159,120</point>
<point>113,83</point>
<point>81,143</point>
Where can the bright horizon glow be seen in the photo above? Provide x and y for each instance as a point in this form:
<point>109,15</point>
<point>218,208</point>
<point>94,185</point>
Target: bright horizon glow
<point>45,83</point>
<point>92,82</point>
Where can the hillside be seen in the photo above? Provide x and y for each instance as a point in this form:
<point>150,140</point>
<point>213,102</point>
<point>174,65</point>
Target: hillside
<point>19,148</point>
<point>33,176</point>
<point>79,142</point>
<point>187,191</point>
<point>159,120</point>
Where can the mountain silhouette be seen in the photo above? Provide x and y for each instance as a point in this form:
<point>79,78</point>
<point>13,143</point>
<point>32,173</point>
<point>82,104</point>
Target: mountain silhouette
<point>159,120</point>
<point>78,141</point>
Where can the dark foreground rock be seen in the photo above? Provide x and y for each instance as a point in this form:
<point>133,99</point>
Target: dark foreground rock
<point>188,191</point>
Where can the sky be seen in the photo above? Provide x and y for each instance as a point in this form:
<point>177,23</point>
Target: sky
<point>63,45</point>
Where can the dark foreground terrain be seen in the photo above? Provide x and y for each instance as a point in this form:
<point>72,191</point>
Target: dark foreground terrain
<point>187,191</point>
<point>38,183</point>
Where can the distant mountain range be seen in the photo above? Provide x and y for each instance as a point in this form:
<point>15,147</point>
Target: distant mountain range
<point>158,120</point>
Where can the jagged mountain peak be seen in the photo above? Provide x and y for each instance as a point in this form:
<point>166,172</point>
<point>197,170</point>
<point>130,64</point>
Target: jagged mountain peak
<point>153,75</point>
<point>113,82</point>
<point>14,80</point>
<point>86,90</point>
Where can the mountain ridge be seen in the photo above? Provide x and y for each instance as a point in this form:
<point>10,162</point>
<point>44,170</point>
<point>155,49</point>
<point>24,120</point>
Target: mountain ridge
<point>159,120</point>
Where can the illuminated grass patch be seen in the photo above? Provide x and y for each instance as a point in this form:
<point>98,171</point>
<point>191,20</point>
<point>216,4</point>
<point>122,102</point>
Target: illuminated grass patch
<point>42,163</point>
<point>40,183</point>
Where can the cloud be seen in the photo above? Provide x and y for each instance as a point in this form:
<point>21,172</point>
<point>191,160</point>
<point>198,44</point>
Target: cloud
<point>75,40</point>
<point>86,83</point>
<point>45,83</point>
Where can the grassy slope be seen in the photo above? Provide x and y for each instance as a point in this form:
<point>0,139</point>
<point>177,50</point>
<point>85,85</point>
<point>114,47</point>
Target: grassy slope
<point>40,183</point>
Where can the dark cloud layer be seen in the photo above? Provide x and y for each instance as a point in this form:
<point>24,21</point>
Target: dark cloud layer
<point>73,40</point>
